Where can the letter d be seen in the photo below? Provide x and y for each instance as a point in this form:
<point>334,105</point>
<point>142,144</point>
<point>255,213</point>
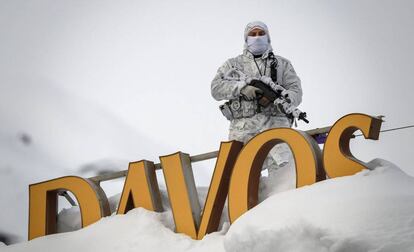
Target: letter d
<point>43,208</point>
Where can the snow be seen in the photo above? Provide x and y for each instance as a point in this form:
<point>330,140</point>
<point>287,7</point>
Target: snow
<point>369,211</point>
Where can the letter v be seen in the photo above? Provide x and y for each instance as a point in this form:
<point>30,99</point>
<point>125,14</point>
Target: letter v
<point>183,193</point>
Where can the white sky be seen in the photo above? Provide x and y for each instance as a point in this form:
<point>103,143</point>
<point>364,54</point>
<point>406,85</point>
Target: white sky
<point>151,63</point>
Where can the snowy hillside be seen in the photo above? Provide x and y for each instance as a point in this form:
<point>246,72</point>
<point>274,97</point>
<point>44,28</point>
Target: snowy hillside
<point>370,211</point>
<point>46,133</point>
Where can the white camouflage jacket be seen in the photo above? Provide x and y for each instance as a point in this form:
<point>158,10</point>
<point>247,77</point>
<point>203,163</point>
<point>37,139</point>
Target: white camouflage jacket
<point>224,89</point>
<point>244,129</point>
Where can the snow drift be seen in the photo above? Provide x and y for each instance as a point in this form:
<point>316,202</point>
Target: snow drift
<point>370,211</point>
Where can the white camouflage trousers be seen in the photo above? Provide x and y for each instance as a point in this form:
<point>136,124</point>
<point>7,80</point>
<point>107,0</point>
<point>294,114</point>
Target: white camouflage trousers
<point>244,129</point>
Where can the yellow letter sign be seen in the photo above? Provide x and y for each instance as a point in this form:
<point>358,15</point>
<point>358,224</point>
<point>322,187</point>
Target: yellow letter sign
<point>236,175</point>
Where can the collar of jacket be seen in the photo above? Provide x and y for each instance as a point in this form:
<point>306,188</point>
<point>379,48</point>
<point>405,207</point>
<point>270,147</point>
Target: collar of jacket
<point>249,55</point>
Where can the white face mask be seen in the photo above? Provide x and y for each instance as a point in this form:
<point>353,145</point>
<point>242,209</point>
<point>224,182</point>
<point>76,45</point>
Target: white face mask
<point>257,45</point>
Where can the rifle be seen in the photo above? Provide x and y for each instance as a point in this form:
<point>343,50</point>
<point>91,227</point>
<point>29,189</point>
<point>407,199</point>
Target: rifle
<point>270,93</point>
<point>279,97</point>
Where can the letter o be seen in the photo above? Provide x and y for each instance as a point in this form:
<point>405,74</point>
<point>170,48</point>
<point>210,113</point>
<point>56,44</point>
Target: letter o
<point>244,183</point>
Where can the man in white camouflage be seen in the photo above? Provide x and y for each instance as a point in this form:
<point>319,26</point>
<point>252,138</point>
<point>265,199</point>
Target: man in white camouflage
<point>255,63</point>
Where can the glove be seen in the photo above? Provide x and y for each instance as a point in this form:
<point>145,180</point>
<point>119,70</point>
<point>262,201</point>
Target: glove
<point>250,92</point>
<point>266,80</point>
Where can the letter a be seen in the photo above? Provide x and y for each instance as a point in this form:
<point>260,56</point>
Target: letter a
<point>140,188</point>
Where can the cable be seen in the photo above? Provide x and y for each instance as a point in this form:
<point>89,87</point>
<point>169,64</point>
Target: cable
<point>392,129</point>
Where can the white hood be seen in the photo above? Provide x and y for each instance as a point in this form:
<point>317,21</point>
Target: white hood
<point>250,26</point>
